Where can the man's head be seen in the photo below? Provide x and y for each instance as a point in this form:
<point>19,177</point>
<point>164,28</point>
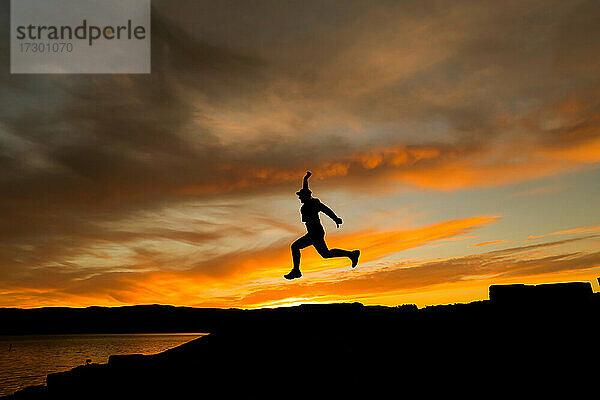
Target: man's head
<point>304,194</point>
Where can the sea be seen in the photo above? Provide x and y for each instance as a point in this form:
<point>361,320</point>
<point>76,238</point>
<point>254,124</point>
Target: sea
<point>26,360</point>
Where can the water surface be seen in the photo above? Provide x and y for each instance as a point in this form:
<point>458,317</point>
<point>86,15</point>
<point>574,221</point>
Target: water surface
<point>26,360</point>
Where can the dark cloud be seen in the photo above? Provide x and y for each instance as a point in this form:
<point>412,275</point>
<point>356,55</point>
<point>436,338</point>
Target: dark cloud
<point>244,96</point>
<point>121,142</point>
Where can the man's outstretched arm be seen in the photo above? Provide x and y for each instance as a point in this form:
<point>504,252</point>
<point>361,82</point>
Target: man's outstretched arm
<point>329,212</point>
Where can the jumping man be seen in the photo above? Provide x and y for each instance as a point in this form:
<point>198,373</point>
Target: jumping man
<point>315,234</point>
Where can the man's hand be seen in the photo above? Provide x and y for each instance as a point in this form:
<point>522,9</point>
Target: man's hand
<point>308,174</point>
<point>338,221</point>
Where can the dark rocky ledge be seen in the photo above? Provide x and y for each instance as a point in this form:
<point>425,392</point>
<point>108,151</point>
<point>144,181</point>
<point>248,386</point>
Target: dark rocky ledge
<point>337,351</point>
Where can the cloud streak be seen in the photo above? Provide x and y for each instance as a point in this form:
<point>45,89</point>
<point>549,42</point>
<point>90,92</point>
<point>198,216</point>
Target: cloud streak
<point>479,270</point>
<point>141,277</point>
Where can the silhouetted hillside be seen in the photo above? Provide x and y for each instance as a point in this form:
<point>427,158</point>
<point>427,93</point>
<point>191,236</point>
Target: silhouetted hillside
<point>572,297</point>
<point>481,349</point>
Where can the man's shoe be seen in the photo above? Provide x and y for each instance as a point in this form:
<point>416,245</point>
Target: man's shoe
<point>295,273</point>
<point>354,257</point>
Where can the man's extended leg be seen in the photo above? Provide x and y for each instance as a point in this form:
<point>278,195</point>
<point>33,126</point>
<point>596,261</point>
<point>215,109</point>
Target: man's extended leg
<point>300,243</point>
<point>325,252</point>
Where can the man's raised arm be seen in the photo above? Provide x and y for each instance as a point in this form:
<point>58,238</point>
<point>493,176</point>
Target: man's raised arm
<point>305,183</point>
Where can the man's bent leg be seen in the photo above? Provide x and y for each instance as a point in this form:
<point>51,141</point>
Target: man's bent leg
<point>300,243</point>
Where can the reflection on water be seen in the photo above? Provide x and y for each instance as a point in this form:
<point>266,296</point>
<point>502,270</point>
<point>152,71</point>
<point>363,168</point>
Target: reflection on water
<point>26,360</point>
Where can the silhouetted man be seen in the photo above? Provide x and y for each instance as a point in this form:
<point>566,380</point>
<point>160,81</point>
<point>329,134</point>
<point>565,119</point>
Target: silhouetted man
<point>315,234</point>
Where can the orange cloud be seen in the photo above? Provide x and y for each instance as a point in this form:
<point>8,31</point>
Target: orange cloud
<point>429,166</point>
<point>588,229</point>
<point>373,245</point>
<point>231,274</point>
<point>489,243</point>
<point>454,279</point>
<point>585,151</point>
<point>560,136</point>
<point>253,279</point>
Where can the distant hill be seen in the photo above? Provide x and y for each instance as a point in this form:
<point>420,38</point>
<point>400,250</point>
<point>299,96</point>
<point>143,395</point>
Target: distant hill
<point>574,297</point>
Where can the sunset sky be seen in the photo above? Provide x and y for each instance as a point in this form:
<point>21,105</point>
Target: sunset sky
<point>458,140</point>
